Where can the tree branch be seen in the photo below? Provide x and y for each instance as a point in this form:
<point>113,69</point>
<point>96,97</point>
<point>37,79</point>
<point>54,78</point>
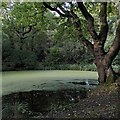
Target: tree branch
<point>76,22</point>
<point>56,10</point>
<point>21,34</point>
<point>113,51</point>
<point>103,21</point>
<point>27,31</point>
<point>90,20</point>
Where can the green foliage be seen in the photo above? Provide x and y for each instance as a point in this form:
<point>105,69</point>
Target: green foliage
<point>23,108</point>
<point>117,60</point>
<point>52,43</point>
<point>81,67</point>
<point>17,109</point>
<point>54,55</point>
<point>110,79</point>
<point>20,59</point>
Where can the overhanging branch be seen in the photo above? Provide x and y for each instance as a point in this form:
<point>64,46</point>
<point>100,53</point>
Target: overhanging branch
<point>103,21</point>
<point>21,34</point>
<point>113,51</point>
<point>61,13</point>
<point>77,24</point>
<point>76,21</point>
<point>90,20</point>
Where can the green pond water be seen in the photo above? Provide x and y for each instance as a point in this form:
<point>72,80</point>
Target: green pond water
<point>19,81</point>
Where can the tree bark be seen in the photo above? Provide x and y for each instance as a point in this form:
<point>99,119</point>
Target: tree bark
<point>105,72</point>
<point>100,61</point>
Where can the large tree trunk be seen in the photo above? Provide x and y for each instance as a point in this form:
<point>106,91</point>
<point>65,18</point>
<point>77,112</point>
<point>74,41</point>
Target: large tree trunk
<point>105,72</point>
<point>103,63</point>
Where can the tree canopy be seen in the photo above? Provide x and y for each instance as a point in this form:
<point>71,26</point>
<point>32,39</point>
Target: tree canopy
<point>57,33</point>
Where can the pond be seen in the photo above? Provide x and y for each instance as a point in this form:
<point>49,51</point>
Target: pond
<point>19,81</point>
<point>31,94</point>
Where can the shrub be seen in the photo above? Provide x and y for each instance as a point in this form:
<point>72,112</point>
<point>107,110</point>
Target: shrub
<point>82,67</point>
<point>20,59</point>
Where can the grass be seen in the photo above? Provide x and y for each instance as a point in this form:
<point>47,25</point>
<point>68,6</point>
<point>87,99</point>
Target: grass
<point>81,67</point>
<point>17,81</point>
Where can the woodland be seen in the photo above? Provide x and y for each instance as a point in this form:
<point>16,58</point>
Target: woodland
<point>69,51</point>
<point>61,36</point>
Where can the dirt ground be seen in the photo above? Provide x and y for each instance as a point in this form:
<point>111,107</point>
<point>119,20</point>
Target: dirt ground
<point>103,102</point>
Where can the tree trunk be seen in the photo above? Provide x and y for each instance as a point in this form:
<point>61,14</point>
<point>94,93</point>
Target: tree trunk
<point>104,68</point>
<point>105,73</point>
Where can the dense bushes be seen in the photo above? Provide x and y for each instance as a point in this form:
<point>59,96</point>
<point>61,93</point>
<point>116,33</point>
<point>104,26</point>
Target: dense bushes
<point>69,56</point>
<point>19,60</point>
<point>45,42</point>
<point>45,54</point>
<point>15,59</point>
<point>82,67</point>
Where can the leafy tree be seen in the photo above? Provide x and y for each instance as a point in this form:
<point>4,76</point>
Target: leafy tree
<point>103,60</point>
<point>58,33</point>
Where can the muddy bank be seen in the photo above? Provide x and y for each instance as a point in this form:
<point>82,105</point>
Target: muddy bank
<point>101,102</point>
<point>32,103</point>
